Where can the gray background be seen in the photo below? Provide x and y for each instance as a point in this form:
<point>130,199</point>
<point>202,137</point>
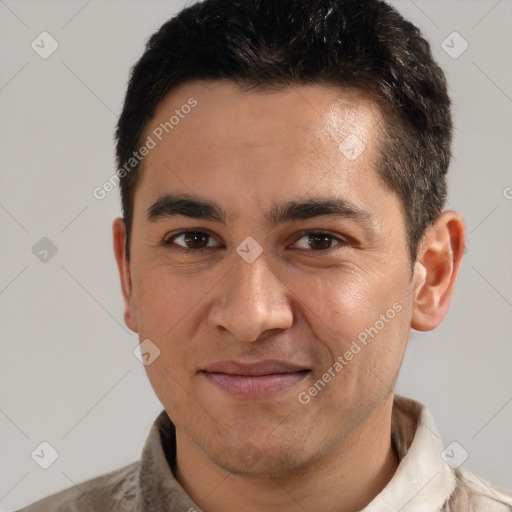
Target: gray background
<point>67,372</point>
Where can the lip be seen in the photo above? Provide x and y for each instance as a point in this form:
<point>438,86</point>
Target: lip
<point>254,380</point>
<point>263,367</point>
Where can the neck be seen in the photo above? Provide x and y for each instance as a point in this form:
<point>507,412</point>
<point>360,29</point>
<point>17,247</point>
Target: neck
<point>346,480</point>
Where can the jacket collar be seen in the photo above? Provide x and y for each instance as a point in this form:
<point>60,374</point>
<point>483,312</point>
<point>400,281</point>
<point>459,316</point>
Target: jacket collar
<point>423,481</point>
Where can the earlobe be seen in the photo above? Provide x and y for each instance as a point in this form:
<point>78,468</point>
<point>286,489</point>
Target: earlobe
<point>123,265</point>
<point>436,270</point>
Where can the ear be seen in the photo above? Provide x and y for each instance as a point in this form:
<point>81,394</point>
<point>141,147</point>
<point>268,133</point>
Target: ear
<point>436,270</point>
<point>123,265</point>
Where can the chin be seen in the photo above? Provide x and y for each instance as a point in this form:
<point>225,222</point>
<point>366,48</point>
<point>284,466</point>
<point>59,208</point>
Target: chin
<point>261,456</point>
<point>261,466</point>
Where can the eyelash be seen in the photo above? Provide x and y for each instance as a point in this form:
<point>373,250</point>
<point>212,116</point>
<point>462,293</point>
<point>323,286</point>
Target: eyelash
<point>169,242</point>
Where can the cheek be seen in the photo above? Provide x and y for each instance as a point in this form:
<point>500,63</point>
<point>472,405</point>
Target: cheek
<point>362,324</point>
<point>164,302</point>
<point>351,309</point>
<point>344,300</point>
<point>164,296</point>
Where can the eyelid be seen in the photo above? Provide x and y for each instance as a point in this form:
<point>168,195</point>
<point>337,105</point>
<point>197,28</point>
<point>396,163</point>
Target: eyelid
<point>342,240</point>
<point>169,239</point>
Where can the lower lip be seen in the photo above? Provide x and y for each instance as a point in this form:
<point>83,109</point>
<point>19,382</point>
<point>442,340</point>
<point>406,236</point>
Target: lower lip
<point>251,386</point>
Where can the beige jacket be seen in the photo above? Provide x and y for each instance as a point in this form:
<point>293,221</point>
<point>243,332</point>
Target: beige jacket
<point>423,482</point>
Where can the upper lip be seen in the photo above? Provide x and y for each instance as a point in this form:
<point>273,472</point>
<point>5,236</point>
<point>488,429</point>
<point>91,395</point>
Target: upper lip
<point>264,367</point>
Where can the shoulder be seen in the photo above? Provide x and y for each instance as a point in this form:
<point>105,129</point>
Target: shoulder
<point>114,491</point>
<point>474,493</point>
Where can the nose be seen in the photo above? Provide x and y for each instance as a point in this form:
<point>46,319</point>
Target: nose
<point>251,301</point>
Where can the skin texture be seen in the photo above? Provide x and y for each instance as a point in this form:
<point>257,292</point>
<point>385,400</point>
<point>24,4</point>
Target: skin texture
<point>300,303</point>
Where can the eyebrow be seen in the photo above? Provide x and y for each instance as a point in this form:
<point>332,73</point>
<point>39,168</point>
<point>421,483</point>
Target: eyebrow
<point>170,205</point>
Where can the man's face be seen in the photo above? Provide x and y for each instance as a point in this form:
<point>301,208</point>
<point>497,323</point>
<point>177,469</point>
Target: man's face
<point>308,300</point>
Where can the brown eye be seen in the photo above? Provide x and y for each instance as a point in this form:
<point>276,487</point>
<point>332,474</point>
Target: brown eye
<point>190,240</point>
<point>196,240</point>
<point>318,241</point>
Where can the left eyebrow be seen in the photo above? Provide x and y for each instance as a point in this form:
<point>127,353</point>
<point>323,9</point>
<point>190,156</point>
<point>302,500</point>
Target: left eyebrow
<point>336,207</point>
<point>170,205</point>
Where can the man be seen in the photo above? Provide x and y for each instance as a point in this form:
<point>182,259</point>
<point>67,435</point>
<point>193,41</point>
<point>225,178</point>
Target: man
<point>283,177</point>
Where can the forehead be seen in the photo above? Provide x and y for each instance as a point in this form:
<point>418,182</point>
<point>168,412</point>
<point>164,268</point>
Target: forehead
<point>228,115</point>
<point>261,144</point>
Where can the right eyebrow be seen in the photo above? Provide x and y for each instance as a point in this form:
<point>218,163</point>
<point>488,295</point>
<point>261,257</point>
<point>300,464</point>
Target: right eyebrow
<point>170,205</point>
